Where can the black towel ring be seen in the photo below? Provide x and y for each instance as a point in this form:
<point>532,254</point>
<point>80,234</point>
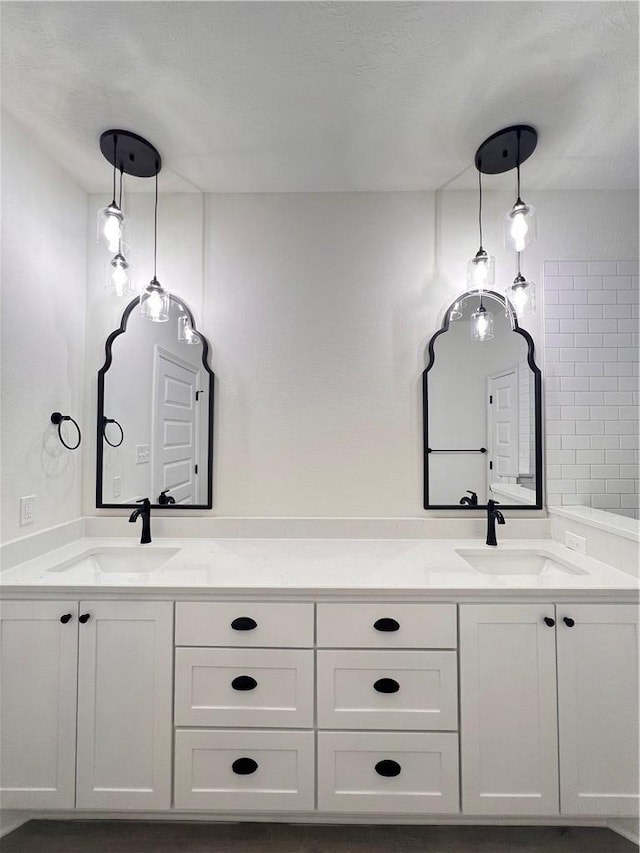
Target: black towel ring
<point>57,418</point>
<point>106,421</point>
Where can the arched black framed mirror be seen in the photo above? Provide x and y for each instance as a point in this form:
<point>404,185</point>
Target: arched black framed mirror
<point>482,409</point>
<point>156,384</point>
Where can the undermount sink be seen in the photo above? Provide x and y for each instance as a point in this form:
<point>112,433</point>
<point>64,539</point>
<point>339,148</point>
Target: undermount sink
<point>118,560</point>
<point>512,562</point>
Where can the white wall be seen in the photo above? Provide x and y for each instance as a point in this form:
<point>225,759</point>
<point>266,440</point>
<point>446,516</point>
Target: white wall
<point>43,325</point>
<point>318,308</point>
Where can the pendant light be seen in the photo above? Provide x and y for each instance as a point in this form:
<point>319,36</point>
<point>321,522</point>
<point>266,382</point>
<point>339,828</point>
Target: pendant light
<point>111,219</point>
<point>186,333</point>
<point>481,269</point>
<point>521,294</point>
<point>118,268</point>
<point>481,323</point>
<point>155,300</point>
<point>520,226</point>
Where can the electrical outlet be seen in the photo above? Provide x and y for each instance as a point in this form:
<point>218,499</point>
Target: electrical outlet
<point>27,509</point>
<point>575,542</point>
<point>143,452</point>
<point>117,487</point>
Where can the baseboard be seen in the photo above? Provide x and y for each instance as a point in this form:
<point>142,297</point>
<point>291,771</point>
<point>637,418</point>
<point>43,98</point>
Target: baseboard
<point>628,828</point>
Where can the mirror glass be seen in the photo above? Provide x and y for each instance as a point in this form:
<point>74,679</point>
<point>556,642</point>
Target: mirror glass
<point>482,411</point>
<point>155,413</point>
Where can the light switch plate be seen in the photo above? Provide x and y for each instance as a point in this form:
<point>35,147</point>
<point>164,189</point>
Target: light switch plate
<point>575,542</point>
<point>27,509</point>
<point>117,487</point>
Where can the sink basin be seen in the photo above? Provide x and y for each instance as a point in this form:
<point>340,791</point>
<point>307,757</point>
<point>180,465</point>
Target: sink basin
<point>512,562</point>
<point>118,560</point>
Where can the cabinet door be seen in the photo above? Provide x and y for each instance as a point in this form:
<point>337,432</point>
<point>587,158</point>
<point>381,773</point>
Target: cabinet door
<point>598,709</point>
<point>124,705</point>
<point>38,662</point>
<point>508,709</point>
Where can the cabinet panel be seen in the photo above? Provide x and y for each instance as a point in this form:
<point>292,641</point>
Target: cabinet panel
<point>38,666</point>
<point>598,709</point>
<point>244,687</point>
<point>508,710</point>
<point>124,705</point>
<point>244,770</point>
<point>387,690</point>
<point>387,626</point>
<point>244,623</point>
<point>388,772</point>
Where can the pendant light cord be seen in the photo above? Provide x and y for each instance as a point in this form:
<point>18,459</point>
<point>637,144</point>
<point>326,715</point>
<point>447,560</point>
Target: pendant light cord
<point>115,147</point>
<point>519,201</point>
<point>120,206</point>
<point>480,204</point>
<point>155,227</point>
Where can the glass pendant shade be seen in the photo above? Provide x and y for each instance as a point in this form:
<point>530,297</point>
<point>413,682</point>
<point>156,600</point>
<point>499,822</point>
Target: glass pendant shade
<point>481,271</point>
<point>520,226</point>
<point>455,313</point>
<point>185,331</point>
<point>111,222</point>
<point>522,296</point>
<point>482,324</point>
<point>118,275</point>
<point>154,302</point>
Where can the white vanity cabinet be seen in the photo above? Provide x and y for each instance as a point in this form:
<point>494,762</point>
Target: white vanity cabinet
<point>245,671</point>
<point>387,677</point>
<point>541,738</point>
<point>86,713</point>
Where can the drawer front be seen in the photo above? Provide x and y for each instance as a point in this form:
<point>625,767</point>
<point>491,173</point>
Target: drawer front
<point>224,623</point>
<point>387,690</point>
<point>381,772</point>
<point>244,687</point>
<point>393,626</point>
<point>243,770</point>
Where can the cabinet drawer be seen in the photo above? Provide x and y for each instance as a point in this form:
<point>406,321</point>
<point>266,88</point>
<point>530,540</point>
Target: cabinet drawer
<point>224,623</point>
<point>417,626</point>
<point>244,687</point>
<point>387,690</point>
<point>382,772</point>
<point>243,770</point>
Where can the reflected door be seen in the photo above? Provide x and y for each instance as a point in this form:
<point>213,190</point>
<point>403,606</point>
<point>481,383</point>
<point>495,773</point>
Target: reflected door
<point>176,384</point>
<point>503,426</point>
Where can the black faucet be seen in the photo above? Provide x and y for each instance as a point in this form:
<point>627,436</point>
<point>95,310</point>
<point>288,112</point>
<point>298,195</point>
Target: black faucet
<point>145,512</point>
<point>471,501</point>
<point>493,515</point>
<point>165,499</point>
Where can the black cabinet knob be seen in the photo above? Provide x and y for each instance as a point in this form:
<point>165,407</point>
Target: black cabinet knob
<point>387,767</point>
<point>386,624</point>
<point>84,618</point>
<point>549,621</point>
<point>244,623</point>
<point>244,766</point>
<point>244,682</point>
<point>568,621</point>
<point>66,618</point>
<point>386,685</point>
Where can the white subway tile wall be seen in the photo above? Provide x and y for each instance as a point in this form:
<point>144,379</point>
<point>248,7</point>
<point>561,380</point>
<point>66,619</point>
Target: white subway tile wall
<point>592,384</point>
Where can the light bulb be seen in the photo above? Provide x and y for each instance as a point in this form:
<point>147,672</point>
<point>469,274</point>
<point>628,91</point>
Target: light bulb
<point>110,227</point>
<point>482,324</point>
<point>520,226</point>
<point>522,295</point>
<point>481,271</point>
<point>154,302</point>
<point>119,275</point>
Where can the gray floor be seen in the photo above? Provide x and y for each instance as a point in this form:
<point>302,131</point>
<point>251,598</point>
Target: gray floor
<point>139,837</point>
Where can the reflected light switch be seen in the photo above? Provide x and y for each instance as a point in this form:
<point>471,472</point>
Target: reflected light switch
<point>143,453</point>
<point>117,487</point>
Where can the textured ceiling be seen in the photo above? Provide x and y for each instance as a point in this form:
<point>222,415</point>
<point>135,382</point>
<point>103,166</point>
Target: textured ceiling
<point>328,96</point>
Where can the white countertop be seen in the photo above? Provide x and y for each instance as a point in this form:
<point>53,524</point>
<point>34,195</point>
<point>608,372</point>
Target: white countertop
<point>286,567</point>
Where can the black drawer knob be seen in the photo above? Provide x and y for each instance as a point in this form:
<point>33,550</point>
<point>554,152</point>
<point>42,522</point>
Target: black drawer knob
<point>568,621</point>
<point>244,766</point>
<point>244,623</point>
<point>386,685</point>
<point>386,624</point>
<point>244,682</point>
<point>387,767</point>
<point>549,622</point>
<point>66,618</point>
<point>84,618</point>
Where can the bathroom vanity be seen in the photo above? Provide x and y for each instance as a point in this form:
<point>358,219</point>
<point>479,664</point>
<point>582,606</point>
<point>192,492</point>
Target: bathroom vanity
<point>349,680</point>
